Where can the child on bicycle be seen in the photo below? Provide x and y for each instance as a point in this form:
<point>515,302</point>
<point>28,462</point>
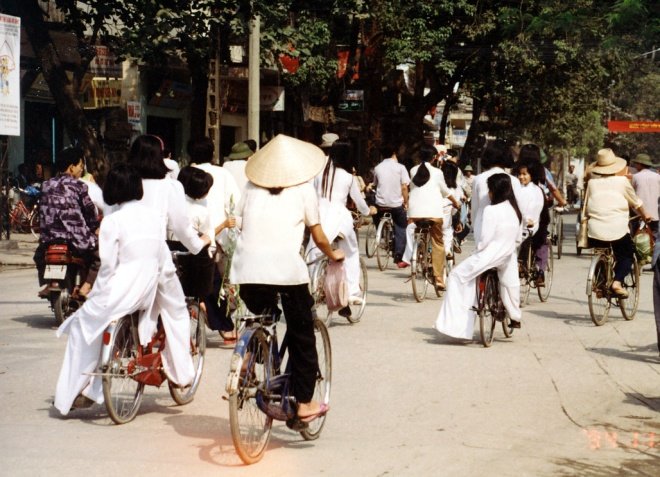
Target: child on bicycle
<point>501,224</point>
<point>130,243</point>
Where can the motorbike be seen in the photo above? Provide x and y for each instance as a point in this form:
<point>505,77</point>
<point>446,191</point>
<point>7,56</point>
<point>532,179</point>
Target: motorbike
<point>63,274</point>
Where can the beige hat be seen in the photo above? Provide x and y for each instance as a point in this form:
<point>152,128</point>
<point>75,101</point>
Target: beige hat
<point>284,162</point>
<point>607,163</point>
<point>328,139</point>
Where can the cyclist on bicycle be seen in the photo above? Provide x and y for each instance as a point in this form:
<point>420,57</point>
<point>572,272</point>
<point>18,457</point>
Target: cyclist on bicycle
<point>391,181</point>
<point>609,197</point>
<point>334,185</point>
<point>496,248</point>
<point>277,204</point>
<point>68,215</point>
<point>427,194</point>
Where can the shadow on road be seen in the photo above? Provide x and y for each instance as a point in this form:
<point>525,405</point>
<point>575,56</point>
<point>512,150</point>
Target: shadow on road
<point>43,322</point>
<point>633,354</point>
<point>574,468</point>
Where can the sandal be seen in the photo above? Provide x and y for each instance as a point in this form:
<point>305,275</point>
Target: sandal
<point>323,410</point>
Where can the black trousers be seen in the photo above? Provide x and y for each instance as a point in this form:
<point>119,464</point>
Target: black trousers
<point>656,298</point>
<point>624,252</point>
<point>297,304</point>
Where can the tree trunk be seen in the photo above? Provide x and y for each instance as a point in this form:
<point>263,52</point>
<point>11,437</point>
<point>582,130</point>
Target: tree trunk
<point>200,82</point>
<point>61,88</point>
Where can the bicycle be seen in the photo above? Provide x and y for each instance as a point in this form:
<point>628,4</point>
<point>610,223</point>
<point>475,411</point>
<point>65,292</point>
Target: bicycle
<point>370,240</point>
<point>317,268</point>
<point>258,386</point>
<point>421,268</point>
<point>23,219</point>
<point>384,239</point>
<point>557,230</point>
<point>490,308</point>
<point>126,367</point>
<point>599,282</point>
<point>529,272</point>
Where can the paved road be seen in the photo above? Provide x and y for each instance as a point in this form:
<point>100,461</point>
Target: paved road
<point>562,397</point>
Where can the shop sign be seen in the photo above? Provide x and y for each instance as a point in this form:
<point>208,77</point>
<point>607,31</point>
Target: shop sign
<point>272,98</point>
<point>633,126</point>
<point>102,93</point>
<point>105,63</point>
<point>10,94</point>
<point>134,114</point>
<point>458,137</point>
<point>352,100</point>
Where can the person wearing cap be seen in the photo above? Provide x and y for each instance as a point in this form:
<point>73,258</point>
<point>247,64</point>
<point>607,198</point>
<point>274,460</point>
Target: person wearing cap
<point>237,158</point>
<point>608,199</point>
<point>223,196</point>
<point>327,140</point>
<point>647,186</point>
<point>279,201</point>
<point>334,185</point>
<point>391,180</point>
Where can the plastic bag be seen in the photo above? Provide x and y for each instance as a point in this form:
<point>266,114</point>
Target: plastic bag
<point>643,241</point>
<point>335,286</point>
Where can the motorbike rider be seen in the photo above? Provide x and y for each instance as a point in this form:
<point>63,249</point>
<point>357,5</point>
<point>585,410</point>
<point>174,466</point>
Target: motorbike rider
<point>68,215</point>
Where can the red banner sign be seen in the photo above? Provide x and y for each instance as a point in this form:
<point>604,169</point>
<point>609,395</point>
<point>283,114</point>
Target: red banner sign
<point>633,126</point>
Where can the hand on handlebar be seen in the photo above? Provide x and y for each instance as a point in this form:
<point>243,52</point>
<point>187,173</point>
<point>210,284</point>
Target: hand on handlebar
<point>560,209</point>
<point>337,255</point>
<point>373,210</point>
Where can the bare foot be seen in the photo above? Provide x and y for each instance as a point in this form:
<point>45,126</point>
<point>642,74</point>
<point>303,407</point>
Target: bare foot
<point>85,289</point>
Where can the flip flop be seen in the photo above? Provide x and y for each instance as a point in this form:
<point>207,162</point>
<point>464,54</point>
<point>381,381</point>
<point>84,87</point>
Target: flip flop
<point>323,410</point>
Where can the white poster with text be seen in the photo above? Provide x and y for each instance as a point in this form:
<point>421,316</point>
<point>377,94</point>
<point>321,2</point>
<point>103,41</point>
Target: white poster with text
<point>10,77</point>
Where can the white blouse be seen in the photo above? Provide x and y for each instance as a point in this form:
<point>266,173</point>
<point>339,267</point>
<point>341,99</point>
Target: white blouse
<point>268,247</point>
<point>427,201</point>
<point>343,186</point>
<point>530,203</point>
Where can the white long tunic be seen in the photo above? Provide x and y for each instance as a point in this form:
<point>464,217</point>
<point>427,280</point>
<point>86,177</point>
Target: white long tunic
<point>531,205</point>
<point>223,191</point>
<point>426,202</point>
<point>496,249</point>
<point>480,197</point>
<point>337,220</point>
<point>130,243</point>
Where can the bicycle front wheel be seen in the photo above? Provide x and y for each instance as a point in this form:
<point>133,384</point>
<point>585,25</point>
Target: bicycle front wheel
<point>323,379</point>
<point>250,426</point>
<point>544,290</point>
<point>318,293</point>
<point>599,301</point>
<point>560,234</point>
<point>418,269</point>
<point>34,224</point>
<point>121,392</point>
<point>370,242</point>
<point>383,245</point>
<point>184,395</point>
<point>356,315</point>
<point>525,271</point>
<point>488,310</point>
<point>631,285</point>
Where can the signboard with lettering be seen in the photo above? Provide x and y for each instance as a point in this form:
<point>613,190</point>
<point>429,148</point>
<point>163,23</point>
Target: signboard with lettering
<point>105,63</point>
<point>134,114</point>
<point>272,98</point>
<point>101,93</point>
<point>352,100</point>
<point>633,126</point>
<point>10,75</point>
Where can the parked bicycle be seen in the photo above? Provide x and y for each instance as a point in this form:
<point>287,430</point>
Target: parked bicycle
<point>490,308</point>
<point>531,276</point>
<point>258,386</point>
<point>126,367</point>
<point>24,219</point>
<point>599,282</point>
<point>384,239</point>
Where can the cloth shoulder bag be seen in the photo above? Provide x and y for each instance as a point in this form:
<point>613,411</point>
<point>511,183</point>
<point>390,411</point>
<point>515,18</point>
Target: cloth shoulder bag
<point>335,286</point>
<point>583,236</point>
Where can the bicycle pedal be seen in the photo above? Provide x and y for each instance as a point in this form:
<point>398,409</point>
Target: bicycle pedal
<point>295,424</point>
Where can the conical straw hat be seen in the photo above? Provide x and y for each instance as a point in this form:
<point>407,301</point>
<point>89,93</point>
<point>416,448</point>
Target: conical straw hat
<point>284,162</point>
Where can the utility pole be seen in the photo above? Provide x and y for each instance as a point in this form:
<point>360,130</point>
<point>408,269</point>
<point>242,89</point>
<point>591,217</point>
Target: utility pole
<point>254,74</point>
<point>213,101</point>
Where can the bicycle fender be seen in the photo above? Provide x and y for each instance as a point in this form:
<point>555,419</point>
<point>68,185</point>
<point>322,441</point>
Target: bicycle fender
<point>108,333</point>
<point>592,269</point>
<point>236,362</point>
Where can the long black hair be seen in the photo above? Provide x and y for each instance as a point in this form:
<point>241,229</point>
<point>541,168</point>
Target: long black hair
<point>450,171</point>
<point>146,155</point>
<point>341,157</point>
<point>426,154</point>
<point>501,189</point>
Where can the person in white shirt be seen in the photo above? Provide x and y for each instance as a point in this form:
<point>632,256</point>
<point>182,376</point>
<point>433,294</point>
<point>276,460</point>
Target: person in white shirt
<point>170,163</point>
<point>428,191</point>
<point>278,203</point>
<point>391,181</point>
<point>222,199</point>
<point>495,159</point>
<point>235,163</point>
<point>646,183</point>
<point>334,185</point>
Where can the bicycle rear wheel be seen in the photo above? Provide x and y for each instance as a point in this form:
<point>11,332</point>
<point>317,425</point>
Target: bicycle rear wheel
<point>544,290</point>
<point>487,310</point>
<point>250,426</point>
<point>383,245</point>
<point>184,395</point>
<point>323,380</point>
<point>370,242</point>
<point>525,271</point>
<point>318,293</point>
<point>560,234</point>
<point>34,224</point>
<point>631,284</point>
<point>418,268</point>
<point>356,315</point>
<point>599,301</point>
<point>121,392</point>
